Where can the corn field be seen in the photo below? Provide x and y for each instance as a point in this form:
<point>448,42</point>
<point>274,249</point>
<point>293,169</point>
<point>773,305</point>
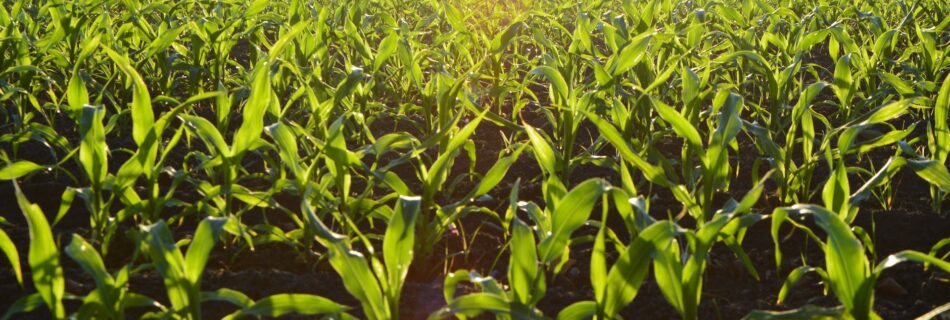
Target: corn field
<point>442,159</point>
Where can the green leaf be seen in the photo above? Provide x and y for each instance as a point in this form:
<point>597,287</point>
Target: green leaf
<point>630,55</point>
<point>668,272</point>
<point>90,261</point>
<point>716,168</point>
<point>47,272</point>
<point>290,303</point>
<point>791,280</point>
<point>386,49</point>
<point>208,133</point>
<point>200,248</point>
<point>843,81</point>
<point>9,250</point>
<point>598,262</point>
<point>399,240</point>
<point>628,273</point>
<point>256,7</point>
<point>92,147</point>
<point>680,125</point>
<point>162,42</point>
<point>143,119</point>
<point>883,42</point>
<point>474,304</point>
<point>66,201</point>
<point>437,172</point>
<point>252,124</point>
<point>543,151</point>
<point>23,305</point>
<point>883,175</point>
<point>19,169</point>
<point>941,117</point>
<point>578,310</point>
<point>888,112</point>
<point>227,295</point>
<point>902,87</point>
<point>286,141</point>
<point>76,93</point>
<point>910,255</point>
<point>497,172</point>
<point>691,85</point>
<point>558,84</point>
<point>454,17</point>
<point>170,264</point>
<point>284,40</point>
<point>653,173</point>
<point>523,268</point>
<point>933,171</point>
<point>836,191</point>
<point>570,214</point>
<point>358,279</point>
<point>881,114</point>
<point>347,86</point>
<point>501,40</point>
<point>845,262</point>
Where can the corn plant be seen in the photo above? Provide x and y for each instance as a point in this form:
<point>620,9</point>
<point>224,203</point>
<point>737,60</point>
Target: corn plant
<point>527,259</point>
<point>229,156</point>
<point>680,276</point>
<point>376,284</point>
<point>527,284</point>
<point>848,271</point>
<point>111,297</point>
<point>563,214</point>
<point>93,153</point>
<point>795,177</point>
<point>616,287</point>
<point>715,164</point>
<point>225,115</point>
<point>182,273</point>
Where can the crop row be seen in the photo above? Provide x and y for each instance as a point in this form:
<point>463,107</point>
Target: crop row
<point>372,130</point>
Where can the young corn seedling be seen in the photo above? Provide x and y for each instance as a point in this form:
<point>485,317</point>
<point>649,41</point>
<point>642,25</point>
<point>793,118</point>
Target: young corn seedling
<point>680,275</point>
<point>526,284</point>
<point>616,287</point>
<point>182,276</point>
<point>848,271</point>
<point>93,154</point>
<point>716,167</point>
<point>111,297</point>
<point>526,272</point>
<point>557,160</point>
<point>182,273</point>
<point>153,150</point>
<point>437,219</point>
<point>563,214</point>
<point>795,178</point>
<point>378,288</point>
<point>715,161</point>
<point>225,158</point>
